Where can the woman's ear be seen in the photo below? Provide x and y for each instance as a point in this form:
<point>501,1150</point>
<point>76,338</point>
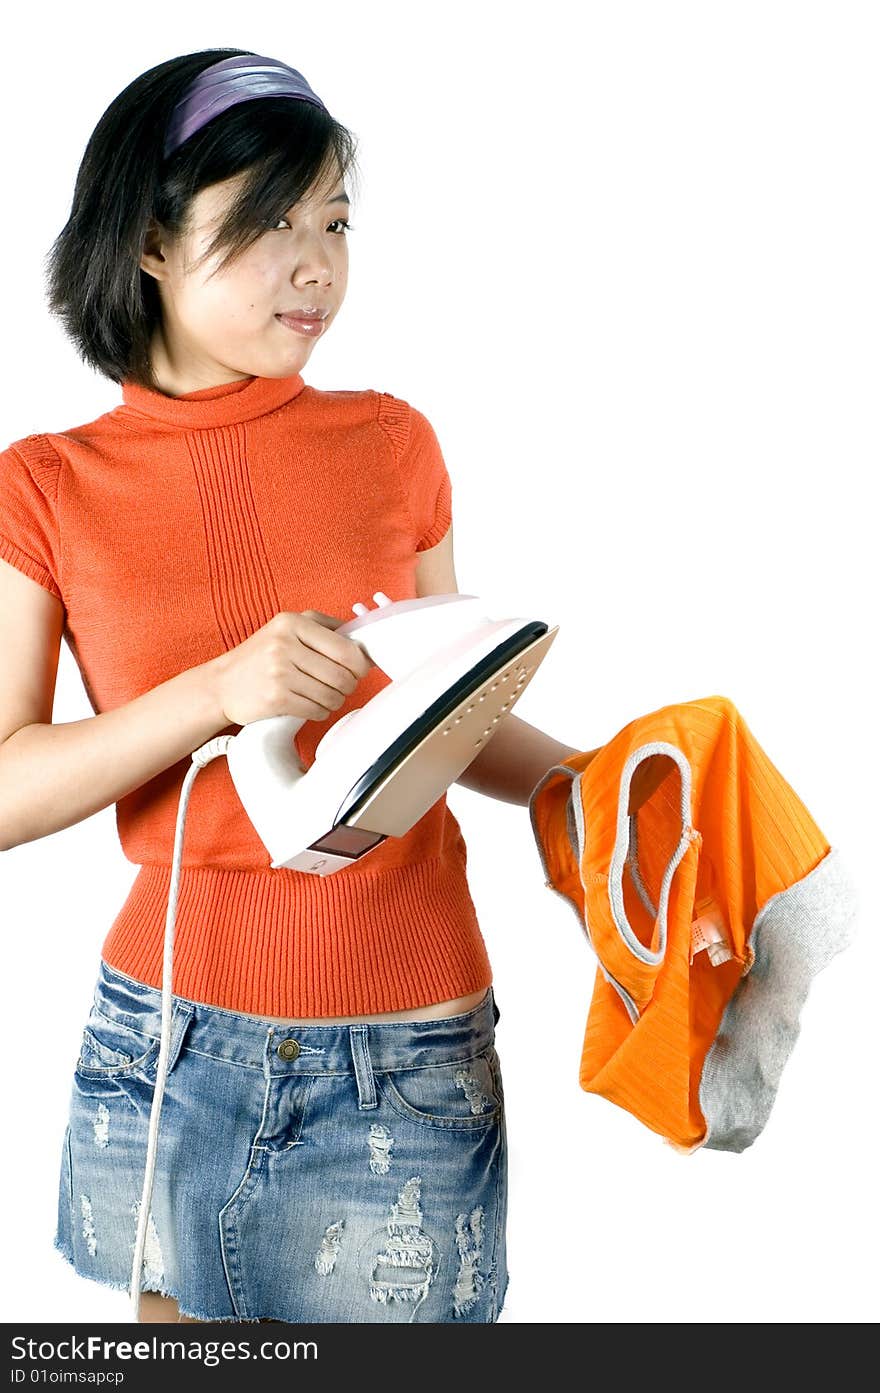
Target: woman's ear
<point>154,259</point>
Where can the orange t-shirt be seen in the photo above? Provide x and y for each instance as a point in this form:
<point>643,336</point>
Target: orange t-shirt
<point>171,529</point>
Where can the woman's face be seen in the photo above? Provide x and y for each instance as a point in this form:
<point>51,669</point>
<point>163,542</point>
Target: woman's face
<point>224,328</point>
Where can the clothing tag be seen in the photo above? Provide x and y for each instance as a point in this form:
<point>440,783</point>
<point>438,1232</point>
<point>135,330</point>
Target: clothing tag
<point>709,931</point>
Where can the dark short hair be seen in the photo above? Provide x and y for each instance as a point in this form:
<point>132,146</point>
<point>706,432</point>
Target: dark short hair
<point>107,304</point>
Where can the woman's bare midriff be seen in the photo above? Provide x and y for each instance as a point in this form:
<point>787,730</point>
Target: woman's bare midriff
<point>437,1010</point>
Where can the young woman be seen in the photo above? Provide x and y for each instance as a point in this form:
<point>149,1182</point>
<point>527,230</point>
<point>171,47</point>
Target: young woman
<point>333,1141</point>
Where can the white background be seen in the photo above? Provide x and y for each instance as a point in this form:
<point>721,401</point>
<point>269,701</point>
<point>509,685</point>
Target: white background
<point>624,258</point>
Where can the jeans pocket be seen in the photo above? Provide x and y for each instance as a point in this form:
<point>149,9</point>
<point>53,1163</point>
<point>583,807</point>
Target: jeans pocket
<point>111,1048</point>
<point>462,1095</point>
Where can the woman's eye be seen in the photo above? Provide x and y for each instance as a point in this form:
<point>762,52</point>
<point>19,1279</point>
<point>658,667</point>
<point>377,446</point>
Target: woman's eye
<point>340,221</point>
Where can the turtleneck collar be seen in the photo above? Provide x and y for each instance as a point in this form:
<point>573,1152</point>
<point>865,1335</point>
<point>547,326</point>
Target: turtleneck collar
<point>212,406</point>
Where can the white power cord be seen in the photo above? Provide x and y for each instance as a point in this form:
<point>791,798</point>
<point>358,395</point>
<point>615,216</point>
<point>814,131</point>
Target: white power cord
<point>202,756</point>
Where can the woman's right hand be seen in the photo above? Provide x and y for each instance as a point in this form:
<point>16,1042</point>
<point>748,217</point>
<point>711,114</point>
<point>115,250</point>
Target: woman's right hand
<point>294,666</point>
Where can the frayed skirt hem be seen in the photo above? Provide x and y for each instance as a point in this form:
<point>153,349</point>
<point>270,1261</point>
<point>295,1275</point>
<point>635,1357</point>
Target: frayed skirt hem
<point>61,1247</point>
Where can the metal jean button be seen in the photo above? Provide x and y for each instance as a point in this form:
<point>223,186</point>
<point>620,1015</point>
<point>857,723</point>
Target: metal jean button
<point>289,1049</point>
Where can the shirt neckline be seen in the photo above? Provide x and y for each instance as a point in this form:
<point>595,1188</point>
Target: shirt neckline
<point>223,405</point>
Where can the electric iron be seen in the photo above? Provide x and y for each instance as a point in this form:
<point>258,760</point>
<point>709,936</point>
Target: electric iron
<point>455,674</point>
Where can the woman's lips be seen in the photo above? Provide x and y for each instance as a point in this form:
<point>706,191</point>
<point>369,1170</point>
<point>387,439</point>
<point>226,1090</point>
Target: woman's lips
<point>312,328</point>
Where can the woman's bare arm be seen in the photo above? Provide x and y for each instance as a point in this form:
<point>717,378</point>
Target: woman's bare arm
<point>52,776</point>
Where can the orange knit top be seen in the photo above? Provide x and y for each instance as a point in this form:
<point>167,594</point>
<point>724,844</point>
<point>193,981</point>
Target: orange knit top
<point>171,529</point>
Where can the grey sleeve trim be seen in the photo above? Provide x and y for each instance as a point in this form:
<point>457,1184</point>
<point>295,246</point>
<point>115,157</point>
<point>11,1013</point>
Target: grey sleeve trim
<point>624,852</point>
<point>574,826</point>
<point>573,837</point>
<point>795,934</point>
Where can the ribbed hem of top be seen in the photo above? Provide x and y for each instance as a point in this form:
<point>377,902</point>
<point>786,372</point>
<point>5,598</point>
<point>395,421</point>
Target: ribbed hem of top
<point>442,519</point>
<point>22,562</point>
<point>281,943</point>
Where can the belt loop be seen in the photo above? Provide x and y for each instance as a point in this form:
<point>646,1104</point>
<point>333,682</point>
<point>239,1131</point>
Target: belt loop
<point>181,1015</point>
<point>363,1068</point>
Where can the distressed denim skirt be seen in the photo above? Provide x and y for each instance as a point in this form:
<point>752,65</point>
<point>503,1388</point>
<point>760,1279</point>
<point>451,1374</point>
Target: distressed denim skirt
<point>324,1173</point>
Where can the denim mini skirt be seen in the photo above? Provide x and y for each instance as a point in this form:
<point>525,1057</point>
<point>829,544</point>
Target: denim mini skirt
<point>320,1173</point>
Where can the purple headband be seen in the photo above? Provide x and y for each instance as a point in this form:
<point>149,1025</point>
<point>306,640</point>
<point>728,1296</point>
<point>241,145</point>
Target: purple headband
<point>227,83</point>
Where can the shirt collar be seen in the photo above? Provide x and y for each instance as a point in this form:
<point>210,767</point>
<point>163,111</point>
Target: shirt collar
<point>223,405</point>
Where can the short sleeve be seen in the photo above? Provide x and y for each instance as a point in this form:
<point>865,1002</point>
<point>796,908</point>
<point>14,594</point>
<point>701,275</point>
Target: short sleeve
<point>424,476</point>
<point>29,537</point>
